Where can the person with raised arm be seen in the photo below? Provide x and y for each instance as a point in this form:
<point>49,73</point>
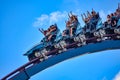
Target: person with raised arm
<point>73,24</point>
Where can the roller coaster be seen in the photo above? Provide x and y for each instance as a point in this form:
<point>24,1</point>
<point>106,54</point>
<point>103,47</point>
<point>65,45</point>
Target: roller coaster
<point>75,40</point>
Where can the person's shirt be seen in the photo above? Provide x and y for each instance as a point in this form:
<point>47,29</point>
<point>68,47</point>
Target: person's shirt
<point>108,20</point>
<point>74,23</point>
<point>118,15</point>
<point>94,19</point>
<point>54,30</point>
<point>68,24</point>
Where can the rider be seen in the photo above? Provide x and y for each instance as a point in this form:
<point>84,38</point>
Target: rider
<point>107,23</point>
<point>66,31</point>
<point>72,24</point>
<point>53,33</point>
<point>94,19</point>
<point>114,20</point>
<point>86,21</point>
<point>50,33</point>
<point>46,33</point>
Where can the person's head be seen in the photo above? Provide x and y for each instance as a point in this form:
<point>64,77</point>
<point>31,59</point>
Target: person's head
<point>86,20</point>
<point>93,13</point>
<point>51,26</point>
<point>68,23</point>
<point>45,32</point>
<point>48,29</point>
<point>115,14</point>
<point>75,18</point>
<point>108,16</point>
<point>111,15</point>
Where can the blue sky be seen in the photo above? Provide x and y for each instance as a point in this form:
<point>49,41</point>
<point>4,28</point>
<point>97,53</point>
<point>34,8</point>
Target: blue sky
<point>19,21</point>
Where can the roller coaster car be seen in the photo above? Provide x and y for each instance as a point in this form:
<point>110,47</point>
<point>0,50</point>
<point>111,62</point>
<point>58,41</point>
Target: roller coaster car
<point>49,50</point>
<point>92,33</point>
<point>61,45</point>
<point>64,44</point>
<point>87,34</point>
<point>67,41</point>
<point>80,38</point>
<point>31,53</point>
<point>43,50</point>
<point>109,32</point>
<point>40,51</point>
<point>99,32</point>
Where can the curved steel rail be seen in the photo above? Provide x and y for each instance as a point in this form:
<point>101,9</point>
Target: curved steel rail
<point>30,69</point>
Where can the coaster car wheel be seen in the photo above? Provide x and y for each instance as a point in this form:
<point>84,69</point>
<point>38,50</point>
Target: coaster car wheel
<point>41,54</point>
<point>96,34</point>
<point>117,31</point>
<point>61,46</point>
<point>102,33</point>
<point>81,39</point>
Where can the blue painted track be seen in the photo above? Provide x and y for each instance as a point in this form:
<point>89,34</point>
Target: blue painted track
<point>30,69</point>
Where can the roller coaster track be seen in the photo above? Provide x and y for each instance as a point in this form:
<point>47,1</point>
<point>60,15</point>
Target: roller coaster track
<point>31,68</point>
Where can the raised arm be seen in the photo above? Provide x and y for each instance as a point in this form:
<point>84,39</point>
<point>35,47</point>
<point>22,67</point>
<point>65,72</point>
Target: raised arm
<point>82,17</point>
<point>88,14</point>
<point>41,30</point>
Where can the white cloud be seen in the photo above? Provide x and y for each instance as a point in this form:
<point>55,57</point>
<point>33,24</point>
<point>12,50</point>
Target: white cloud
<point>57,16</point>
<point>45,20</point>
<point>41,20</point>
<point>117,77</point>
